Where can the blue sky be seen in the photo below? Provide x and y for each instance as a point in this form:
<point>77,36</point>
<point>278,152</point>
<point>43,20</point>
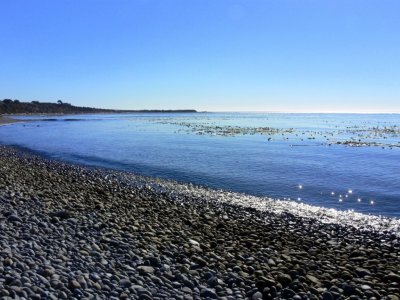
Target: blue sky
<point>216,55</point>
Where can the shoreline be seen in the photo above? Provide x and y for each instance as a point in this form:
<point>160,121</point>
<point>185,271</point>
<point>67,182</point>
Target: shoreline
<point>72,231</point>
<point>262,204</point>
<point>7,120</point>
<point>103,113</point>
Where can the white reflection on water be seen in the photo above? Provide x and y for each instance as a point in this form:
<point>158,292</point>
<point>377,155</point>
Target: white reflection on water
<point>203,196</point>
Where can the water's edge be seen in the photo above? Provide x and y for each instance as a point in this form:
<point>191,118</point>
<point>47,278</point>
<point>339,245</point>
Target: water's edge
<point>202,195</point>
<point>260,161</point>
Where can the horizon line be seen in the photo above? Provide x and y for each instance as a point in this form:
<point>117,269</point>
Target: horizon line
<point>300,112</point>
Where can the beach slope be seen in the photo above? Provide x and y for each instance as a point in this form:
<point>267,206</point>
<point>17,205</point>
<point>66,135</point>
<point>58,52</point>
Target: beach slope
<point>7,120</point>
<point>69,232</point>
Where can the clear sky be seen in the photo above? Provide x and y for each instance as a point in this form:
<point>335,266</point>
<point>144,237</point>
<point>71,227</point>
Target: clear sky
<point>215,55</point>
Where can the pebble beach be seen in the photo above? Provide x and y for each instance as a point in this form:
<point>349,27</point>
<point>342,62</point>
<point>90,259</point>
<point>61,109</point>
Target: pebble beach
<point>73,232</point>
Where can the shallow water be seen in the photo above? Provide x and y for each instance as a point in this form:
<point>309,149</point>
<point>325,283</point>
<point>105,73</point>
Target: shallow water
<point>296,156</point>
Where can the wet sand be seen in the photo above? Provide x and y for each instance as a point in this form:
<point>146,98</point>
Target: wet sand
<point>70,232</point>
<point>7,120</point>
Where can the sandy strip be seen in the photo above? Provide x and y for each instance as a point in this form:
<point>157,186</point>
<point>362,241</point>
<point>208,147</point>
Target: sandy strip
<point>8,120</point>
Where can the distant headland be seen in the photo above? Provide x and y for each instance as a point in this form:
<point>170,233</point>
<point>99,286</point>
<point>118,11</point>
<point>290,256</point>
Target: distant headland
<point>8,106</point>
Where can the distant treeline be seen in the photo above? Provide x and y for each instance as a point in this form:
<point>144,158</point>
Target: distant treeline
<point>8,106</point>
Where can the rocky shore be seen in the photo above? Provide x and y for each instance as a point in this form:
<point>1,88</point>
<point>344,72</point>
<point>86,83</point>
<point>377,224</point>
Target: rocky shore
<point>69,232</point>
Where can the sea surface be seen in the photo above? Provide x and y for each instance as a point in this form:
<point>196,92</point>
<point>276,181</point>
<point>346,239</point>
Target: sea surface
<point>341,161</point>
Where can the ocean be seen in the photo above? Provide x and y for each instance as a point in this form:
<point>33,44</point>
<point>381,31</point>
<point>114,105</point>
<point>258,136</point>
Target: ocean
<point>340,161</point>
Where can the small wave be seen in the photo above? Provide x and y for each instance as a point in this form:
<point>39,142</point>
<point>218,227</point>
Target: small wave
<point>62,120</point>
<point>277,206</point>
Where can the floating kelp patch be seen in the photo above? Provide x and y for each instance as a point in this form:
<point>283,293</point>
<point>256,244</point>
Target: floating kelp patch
<point>227,130</point>
<point>352,143</point>
<point>390,131</point>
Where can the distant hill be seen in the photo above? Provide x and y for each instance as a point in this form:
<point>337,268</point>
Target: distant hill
<point>8,106</point>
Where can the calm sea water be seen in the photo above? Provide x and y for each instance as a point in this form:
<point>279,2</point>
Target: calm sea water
<point>298,156</point>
